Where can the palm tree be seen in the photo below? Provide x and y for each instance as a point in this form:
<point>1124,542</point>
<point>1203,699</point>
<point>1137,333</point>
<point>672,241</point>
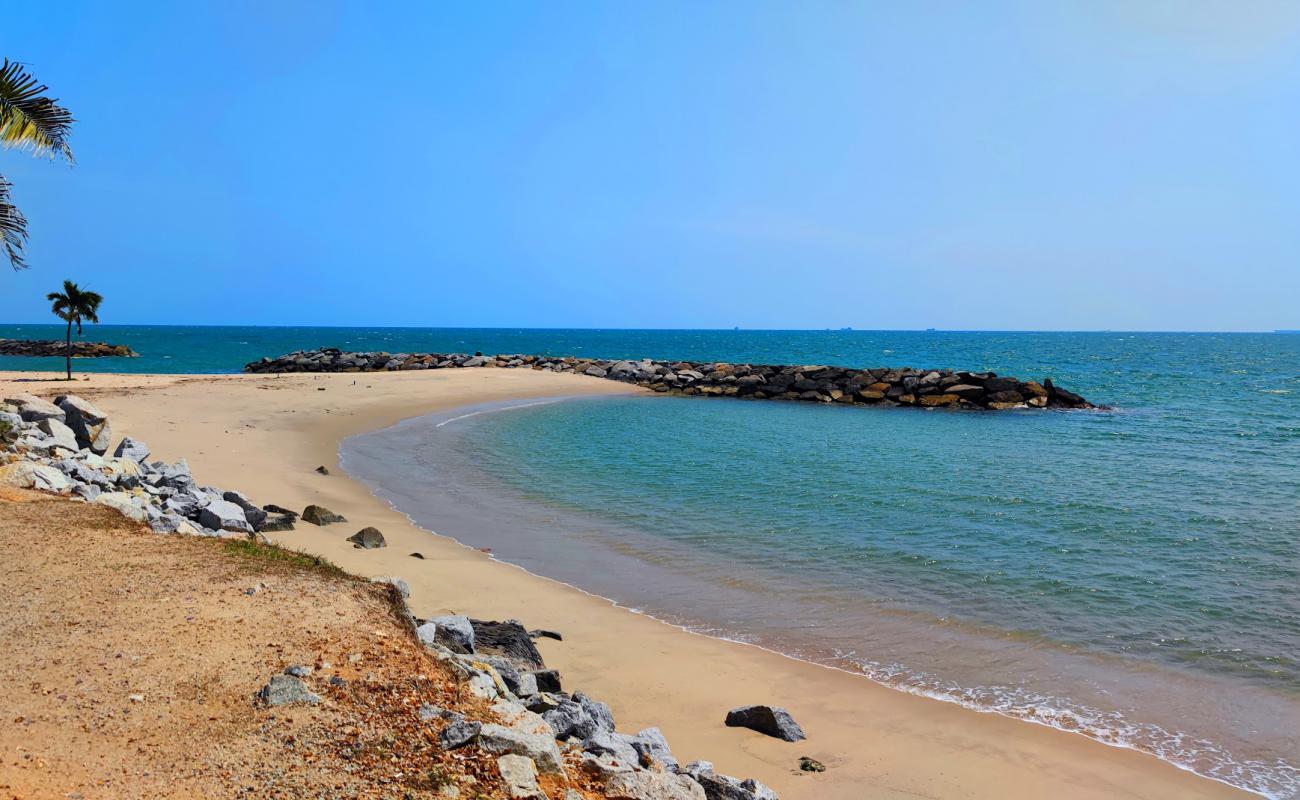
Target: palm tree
<point>74,305</point>
<point>28,121</point>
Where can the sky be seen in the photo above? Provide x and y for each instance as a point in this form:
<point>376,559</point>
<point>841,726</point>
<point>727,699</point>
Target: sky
<point>993,165</point>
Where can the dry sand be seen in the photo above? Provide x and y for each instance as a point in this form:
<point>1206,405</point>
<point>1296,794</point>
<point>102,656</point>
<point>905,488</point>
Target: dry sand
<point>265,435</point>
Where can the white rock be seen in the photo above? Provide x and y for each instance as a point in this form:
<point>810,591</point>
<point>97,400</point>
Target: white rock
<point>30,475</point>
<point>60,435</point>
<point>34,409</point>
<point>122,503</point>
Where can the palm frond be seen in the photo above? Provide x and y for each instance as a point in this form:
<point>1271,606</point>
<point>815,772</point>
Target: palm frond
<point>13,227</point>
<point>28,119</point>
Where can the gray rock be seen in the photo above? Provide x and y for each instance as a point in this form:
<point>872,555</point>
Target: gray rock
<point>71,404</point>
<point>547,680</point>
<point>166,523</point>
<point>651,746</point>
<point>88,423</point>
<point>595,371</point>
<point>608,742</point>
<point>724,787</point>
<point>86,491</point>
<point>459,733</point>
<point>540,747</point>
<point>520,776</point>
<point>298,670</point>
<point>320,515</point>
<point>429,712</point>
<point>570,720</point>
<point>224,515</point>
<point>59,434</point>
<point>277,522</point>
<point>509,639</point>
<point>285,690</point>
<point>649,785</point>
<point>252,514</point>
<point>133,449</point>
<point>697,768</point>
<point>367,539</point>
<point>771,720</point>
<point>34,409</point>
<point>455,632</point>
<point>599,712</point>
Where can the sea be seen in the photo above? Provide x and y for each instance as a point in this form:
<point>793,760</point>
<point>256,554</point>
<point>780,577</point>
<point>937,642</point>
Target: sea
<point>1132,575</point>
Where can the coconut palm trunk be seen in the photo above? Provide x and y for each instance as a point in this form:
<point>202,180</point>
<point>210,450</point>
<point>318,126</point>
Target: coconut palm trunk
<point>68,352</point>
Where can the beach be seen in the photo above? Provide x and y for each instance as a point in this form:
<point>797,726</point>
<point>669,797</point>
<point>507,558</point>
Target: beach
<point>266,435</point>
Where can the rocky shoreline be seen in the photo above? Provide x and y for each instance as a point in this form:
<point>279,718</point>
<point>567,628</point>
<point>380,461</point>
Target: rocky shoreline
<point>821,384</point>
<point>540,730</point>
<point>54,347</point>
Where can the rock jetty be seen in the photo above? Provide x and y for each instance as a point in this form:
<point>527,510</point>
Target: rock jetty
<point>54,347</point>
<point>885,386</point>
<point>540,730</point>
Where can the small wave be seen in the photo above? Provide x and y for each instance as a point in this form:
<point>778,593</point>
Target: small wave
<point>1277,781</point>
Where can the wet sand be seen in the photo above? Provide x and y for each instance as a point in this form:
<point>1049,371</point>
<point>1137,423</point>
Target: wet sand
<point>264,435</point>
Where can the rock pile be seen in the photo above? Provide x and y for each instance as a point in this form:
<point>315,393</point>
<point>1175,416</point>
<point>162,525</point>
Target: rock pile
<point>53,347</point>
<point>62,447</point>
<point>885,386</point>
<point>540,723</point>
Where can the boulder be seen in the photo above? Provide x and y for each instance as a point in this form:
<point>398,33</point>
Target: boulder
<point>277,523</point>
<point>88,423</point>
<point>284,690</point>
<point>60,435</point>
<point>602,742</point>
<point>509,639</point>
<point>252,514</point>
<point>771,720</point>
<point>30,475</point>
<point>133,449</point>
<point>34,409</point>
<point>649,785</point>
<point>519,774</point>
<point>454,632</point>
<point>320,515</point>
<point>652,747</point>
<point>540,747</point>
<point>569,720</point>
<point>367,539</point>
<point>459,733</point>
<point>725,787</point>
<point>223,515</point>
<point>598,711</point>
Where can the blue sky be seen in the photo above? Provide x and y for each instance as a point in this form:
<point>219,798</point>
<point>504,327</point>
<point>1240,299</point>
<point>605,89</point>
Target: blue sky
<point>655,164</point>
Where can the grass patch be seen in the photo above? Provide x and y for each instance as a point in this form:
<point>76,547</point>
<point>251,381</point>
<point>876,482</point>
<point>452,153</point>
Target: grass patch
<point>269,557</point>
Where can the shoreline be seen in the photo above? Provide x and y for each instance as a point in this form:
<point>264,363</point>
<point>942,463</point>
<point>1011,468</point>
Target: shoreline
<point>236,431</point>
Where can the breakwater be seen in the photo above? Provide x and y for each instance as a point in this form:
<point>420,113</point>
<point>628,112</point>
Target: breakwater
<point>825,384</point>
<point>54,347</point>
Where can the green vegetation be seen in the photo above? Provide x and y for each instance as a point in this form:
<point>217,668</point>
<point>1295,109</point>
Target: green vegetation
<point>74,305</point>
<point>28,121</point>
<point>265,556</point>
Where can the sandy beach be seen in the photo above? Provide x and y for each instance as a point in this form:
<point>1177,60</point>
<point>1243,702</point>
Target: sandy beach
<point>265,435</point>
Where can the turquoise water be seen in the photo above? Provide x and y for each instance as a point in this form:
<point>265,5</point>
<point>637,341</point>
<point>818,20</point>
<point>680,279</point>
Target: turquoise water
<point>1133,575</point>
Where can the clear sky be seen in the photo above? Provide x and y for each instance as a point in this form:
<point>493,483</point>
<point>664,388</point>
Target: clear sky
<point>1035,165</point>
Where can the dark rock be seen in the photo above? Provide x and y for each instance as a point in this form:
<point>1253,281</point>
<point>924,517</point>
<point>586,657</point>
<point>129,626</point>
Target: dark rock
<point>252,513</point>
<point>459,733</point>
<point>417,555</point>
<point>548,680</point>
<point>285,690</point>
<point>811,764</point>
<point>322,470</point>
<point>277,523</point>
<point>133,449</point>
<point>771,720</point>
<point>366,538</point>
<point>320,515</point>
<point>539,633</point>
<point>509,639</point>
<point>272,508</point>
